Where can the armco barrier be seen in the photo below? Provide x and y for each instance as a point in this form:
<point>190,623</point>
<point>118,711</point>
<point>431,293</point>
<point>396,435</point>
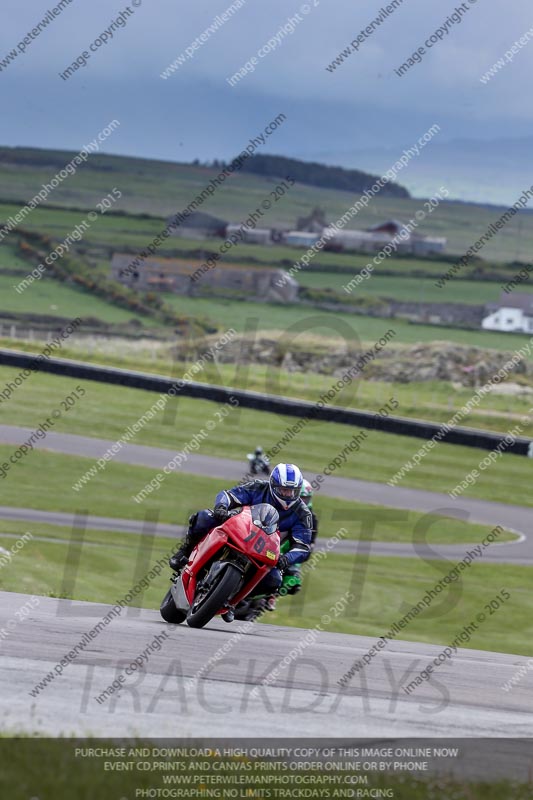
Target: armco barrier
<point>420,429</point>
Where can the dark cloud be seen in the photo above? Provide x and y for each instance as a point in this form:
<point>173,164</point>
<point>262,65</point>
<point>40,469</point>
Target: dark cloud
<point>196,113</point>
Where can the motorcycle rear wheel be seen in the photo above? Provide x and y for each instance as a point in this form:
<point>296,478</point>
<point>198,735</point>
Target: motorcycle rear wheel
<point>225,587</point>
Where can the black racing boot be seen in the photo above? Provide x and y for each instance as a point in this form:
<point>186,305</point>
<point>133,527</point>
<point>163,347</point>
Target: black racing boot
<point>180,558</point>
<point>228,615</point>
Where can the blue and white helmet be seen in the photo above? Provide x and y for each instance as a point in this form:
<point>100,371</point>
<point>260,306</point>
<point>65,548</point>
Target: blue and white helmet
<point>286,482</point>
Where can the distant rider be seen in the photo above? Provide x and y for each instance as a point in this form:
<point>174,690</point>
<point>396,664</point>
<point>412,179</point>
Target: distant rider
<point>259,462</point>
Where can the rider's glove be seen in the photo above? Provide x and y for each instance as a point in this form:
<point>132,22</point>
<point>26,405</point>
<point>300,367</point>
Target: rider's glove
<point>220,513</point>
<point>283,562</point>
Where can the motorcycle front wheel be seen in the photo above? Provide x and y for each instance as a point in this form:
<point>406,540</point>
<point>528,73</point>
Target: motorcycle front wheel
<point>205,609</point>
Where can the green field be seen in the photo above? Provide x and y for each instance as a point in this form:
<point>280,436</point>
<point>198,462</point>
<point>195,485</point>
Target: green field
<point>436,401</point>
<point>112,233</point>
<point>43,480</point>
<point>41,567</point>
<point>383,585</point>
<point>56,299</point>
<point>115,232</point>
<point>153,190</point>
<point>49,296</point>
<point>243,315</point>
<point>161,188</point>
<point>380,456</point>
<point>383,588</point>
<point>416,290</point>
<point>12,261</point>
<point>180,496</point>
<point>135,233</point>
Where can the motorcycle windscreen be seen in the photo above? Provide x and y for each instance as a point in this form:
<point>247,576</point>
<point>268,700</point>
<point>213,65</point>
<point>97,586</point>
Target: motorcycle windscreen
<point>266,517</point>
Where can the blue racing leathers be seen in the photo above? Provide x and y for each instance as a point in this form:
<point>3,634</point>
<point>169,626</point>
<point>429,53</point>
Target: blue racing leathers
<point>295,523</point>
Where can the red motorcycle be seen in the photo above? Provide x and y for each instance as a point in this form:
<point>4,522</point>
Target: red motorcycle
<point>225,566</point>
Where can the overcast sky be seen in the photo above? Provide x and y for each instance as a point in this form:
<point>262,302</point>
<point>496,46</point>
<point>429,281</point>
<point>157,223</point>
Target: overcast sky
<point>195,113</point>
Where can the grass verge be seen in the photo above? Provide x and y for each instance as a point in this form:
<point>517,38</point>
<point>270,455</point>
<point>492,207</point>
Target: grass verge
<point>386,588</point>
<point>43,484</point>
<point>108,412</point>
<point>383,587</point>
<point>436,401</point>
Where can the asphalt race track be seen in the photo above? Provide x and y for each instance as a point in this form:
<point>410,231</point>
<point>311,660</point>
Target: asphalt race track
<point>304,697</point>
<point>513,518</point>
<point>160,700</point>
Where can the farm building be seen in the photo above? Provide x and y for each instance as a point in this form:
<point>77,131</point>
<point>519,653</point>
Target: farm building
<point>427,245</point>
<point>308,231</point>
<point>315,222</point>
<point>391,227</point>
<point>362,241</point>
<point>251,235</point>
<point>375,238</point>
<point>197,225</point>
<point>300,238</point>
<point>418,244</point>
<point>175,275</point>
<point>368,241</point>
<point>512,312</point>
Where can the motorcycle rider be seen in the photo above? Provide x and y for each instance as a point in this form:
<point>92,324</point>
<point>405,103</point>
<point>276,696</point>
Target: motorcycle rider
<point>258,461</point>
<point>282,490</point>
<point>307,496</point>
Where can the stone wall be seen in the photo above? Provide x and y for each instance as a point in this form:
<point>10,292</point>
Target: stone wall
<point>470,366</point>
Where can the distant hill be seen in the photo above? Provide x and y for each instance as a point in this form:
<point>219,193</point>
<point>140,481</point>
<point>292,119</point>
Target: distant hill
<point>314,174</point>
<point>492,171</point>
<point>157,189</point>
